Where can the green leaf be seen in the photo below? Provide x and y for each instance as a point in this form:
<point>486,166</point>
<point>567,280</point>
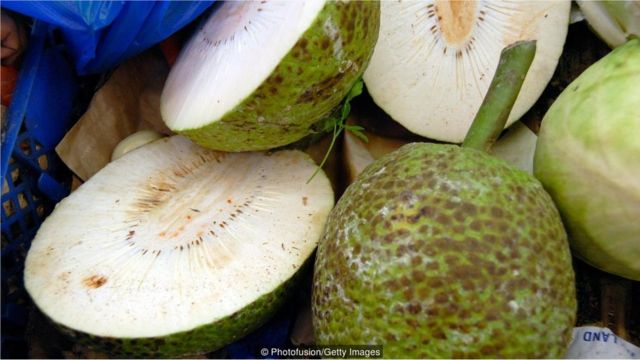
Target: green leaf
<point>360,135</point>
<point>355,90</point>
<point>330,123</point>
<point>353,128</point>
<point>346,109</point>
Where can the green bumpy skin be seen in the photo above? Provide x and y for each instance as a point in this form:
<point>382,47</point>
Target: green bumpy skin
<point>307,84</point>
<point>436,251</point>
<point>588,159</point>
<point>203,339</point>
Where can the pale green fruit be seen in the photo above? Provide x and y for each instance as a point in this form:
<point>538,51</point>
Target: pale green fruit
<point>588,159</point>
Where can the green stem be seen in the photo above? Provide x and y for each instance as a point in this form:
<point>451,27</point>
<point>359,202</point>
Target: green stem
<point>336,132</point>
<point>489,122</point>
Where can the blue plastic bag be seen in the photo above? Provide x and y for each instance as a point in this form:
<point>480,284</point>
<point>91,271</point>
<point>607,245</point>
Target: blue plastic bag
<point>101,34</point>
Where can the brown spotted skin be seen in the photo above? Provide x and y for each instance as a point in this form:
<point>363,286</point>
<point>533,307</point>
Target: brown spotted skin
<point>308,83</point>
<point>441,252</point>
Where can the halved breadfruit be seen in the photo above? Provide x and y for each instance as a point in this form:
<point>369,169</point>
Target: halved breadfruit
<point>259,75</point>
<point>434,59</point>
<point>174,249</point>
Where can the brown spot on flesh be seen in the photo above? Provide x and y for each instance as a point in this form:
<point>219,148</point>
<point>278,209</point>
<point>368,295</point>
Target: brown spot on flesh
<point>94,281</point>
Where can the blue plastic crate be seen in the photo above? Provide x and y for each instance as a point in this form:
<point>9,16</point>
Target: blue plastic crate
<point>33,177</point>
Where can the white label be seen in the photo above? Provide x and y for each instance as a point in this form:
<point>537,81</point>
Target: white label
<point>591,342</point>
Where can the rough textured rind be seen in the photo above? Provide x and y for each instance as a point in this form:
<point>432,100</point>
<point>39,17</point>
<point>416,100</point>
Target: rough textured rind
<point>203,339</point>
<point>442,252</point>
<point>588,159</point>
<point>307,84</point>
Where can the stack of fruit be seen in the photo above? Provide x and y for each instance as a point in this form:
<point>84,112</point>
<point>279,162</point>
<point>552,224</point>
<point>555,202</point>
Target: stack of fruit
<point>188,243</point>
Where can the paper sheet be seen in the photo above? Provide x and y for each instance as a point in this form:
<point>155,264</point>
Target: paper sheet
<point>129,101</point>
